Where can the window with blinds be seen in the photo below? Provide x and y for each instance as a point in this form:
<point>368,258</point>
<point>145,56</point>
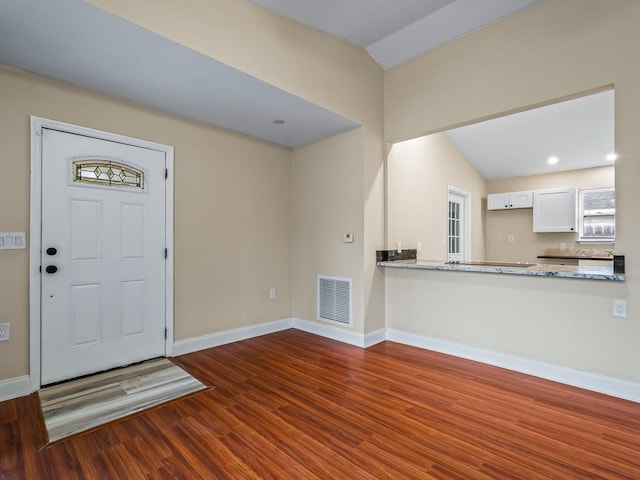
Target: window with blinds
<point>597,214</point>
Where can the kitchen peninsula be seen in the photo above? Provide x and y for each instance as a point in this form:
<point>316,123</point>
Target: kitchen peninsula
<point>510,268</point>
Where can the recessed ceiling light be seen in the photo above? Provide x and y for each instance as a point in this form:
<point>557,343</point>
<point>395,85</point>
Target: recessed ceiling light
<point>612,157</point>
<point>552,160</point>
<point>279,121</point>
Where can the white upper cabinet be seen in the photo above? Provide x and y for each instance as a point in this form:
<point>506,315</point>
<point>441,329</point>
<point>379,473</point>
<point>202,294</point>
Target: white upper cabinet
<point>521,199</point>
<point>555,210</point>
<point>502,201</point>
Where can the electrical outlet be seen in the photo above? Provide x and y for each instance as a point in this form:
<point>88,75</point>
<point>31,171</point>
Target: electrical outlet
<point>510,238</point>
<point>4,332</point>
<point>620,308</point>
<point>272,294</point>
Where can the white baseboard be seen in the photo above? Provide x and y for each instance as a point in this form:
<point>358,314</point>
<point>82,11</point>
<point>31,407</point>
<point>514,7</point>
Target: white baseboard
<point>577,378</point>
<point>191,345</point>
<point>15,387</point>
<point>372,338</point>
<point>20,386</point>
<point>351,338</point>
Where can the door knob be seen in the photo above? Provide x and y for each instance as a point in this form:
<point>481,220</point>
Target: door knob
<point>51,269</point>
<point>52,251</point>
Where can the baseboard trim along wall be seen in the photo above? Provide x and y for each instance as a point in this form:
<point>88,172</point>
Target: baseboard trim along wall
<point>352,338</point>
<point>372,338</point>
<point>590,381</point>
<point>182,347</point>
<point>196,344</point>
<point>20,386</point>
<point>15,387</point>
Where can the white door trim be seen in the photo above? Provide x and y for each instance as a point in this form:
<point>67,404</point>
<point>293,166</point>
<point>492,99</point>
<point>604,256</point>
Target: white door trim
<point>466,212</point>
<point>35,231</point>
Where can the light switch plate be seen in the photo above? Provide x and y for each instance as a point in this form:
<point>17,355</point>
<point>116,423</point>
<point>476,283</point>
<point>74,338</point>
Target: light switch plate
<point>12,240</point>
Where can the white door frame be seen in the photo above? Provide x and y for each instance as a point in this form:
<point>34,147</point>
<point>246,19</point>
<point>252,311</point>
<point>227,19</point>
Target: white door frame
<point>466,212</point>
<point>35,232</point>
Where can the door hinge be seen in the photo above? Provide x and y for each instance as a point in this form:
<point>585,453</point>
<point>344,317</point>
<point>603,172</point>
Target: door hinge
<point>166,173</point>
<point>166,253</point>
<point>166,333</point>
<point>40,268</point>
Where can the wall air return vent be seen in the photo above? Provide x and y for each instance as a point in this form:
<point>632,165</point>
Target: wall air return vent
<point>334,300</point>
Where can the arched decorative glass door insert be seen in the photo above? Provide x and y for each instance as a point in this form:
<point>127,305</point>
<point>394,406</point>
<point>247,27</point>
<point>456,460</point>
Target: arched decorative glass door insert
<point>107,173</point>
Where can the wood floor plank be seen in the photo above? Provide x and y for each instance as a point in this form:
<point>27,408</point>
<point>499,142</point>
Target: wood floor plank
<point>294,405</point>
<point>298,443</point>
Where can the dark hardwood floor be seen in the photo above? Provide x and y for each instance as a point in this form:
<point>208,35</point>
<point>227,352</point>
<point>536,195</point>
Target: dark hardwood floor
<point>294,405</point>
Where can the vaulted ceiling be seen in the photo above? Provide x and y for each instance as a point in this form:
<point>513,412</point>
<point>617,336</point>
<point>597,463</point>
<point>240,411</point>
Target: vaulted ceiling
<point>396,31</point>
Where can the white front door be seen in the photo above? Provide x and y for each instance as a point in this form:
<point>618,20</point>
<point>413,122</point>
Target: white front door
<point>102,256</point>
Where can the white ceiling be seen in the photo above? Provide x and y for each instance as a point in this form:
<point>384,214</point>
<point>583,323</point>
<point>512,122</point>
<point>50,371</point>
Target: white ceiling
<point>579,132</point>
<point>395,31</point>
<point>73,41</point>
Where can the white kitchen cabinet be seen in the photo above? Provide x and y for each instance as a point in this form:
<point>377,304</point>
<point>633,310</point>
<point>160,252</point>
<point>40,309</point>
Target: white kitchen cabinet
<point>555,210</point>
<point>507,200</point>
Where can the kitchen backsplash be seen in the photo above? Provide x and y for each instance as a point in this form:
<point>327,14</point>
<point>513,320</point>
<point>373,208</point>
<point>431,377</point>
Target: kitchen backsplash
<point>393,255</point>
<point>579,252</point>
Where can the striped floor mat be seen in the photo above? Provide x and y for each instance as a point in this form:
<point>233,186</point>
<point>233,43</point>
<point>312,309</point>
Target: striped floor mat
<point>79,405</point>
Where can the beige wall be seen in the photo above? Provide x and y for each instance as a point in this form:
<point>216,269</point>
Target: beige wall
<point>565,322</point>
<point>419,173</point>
<point>233,219</point>
<point>315,66</point>
<point>374,231</point>
<point>585,178</point>
<point>232,210</point>
<point>229,253</point>
<point>327,205</point>
<point>551,50</point>
<point>527,245</point>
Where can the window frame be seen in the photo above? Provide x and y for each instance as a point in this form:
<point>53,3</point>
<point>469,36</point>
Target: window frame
<point>581,216</point>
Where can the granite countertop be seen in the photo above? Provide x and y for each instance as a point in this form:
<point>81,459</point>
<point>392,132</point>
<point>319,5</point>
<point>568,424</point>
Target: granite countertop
<point>540,270</point>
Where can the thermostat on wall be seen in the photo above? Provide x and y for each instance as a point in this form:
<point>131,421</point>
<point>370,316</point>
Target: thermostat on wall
<point>347,238</point>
